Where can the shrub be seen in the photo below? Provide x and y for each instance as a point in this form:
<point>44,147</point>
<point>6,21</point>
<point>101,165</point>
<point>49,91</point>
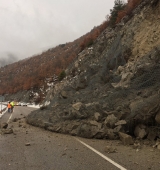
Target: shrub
<point>43,107</point>
<point>119,5</point>
<point>62,75</point>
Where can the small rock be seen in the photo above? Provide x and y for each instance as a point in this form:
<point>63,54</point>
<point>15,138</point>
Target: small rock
<point>7,131</point>
<point>15,120</point>
<point>110,149</point>
<point>97,116</point>
<point>63,154</point>
<point>117,129</point>
<point>136,146</point>
<point>95,123</point>
<point>121,122</point>
<point>77,106</point>
<point>64,94</point>
<point>27,144</point>
<point>4,125</point>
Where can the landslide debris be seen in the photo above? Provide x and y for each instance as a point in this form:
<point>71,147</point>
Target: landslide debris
<point>112,89</point>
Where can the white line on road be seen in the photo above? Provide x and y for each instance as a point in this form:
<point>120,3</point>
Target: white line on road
<point>9,118</point>
<point>103,156</point>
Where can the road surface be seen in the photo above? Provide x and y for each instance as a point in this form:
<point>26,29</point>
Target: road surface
<point>32,148</point>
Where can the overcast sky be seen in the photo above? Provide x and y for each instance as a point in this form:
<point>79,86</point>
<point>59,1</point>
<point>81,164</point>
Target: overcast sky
<point>28,27</point>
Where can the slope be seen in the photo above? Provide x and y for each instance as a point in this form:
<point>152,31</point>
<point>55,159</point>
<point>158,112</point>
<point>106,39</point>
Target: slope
<point>113,86</point>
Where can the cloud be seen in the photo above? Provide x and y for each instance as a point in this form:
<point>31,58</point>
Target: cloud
<point>32,26</point>
<point>9,58</point>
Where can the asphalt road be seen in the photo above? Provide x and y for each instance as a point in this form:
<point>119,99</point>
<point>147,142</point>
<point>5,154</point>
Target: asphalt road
<point>52,151</point>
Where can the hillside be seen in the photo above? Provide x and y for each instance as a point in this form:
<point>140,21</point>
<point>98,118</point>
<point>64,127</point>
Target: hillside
<point>31,78</point>
<point>113,86</point>
<point>44,70</point>
<point>28,73</point>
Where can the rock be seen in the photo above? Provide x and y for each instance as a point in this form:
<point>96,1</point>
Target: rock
<point>7,131</point>
<point>110,121</point>
<point>95,123</point>
<point>110,149</point>
<point>117,129</point>
<point>15,119</point>
<point>27,144</point>
<point>111,135</point>
<point>121,122</point>
<point>64,94</point>
<point>64,154</point>
<point>126,139</point>
<point>47,124</point>
<point>144,109</point>
<point>97,116</point>
<point>140,131</point>
<point>146,142</point>
<point>152,135</point>
<point>4,125</point>
<point>74,132</point>
<point>136,146</point>
<point>77,106</point>
<point>101,134</point>
<point>89,131</point>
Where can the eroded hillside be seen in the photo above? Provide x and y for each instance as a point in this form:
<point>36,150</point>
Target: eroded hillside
<point>113,86</point>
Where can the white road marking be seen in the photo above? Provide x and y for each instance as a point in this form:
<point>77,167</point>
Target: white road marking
<point>103,156</point>
<point>9,118</point>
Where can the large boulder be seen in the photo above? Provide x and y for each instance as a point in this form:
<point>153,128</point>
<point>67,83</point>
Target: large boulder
<point>126,139</point>
<point>144,110</point>
<point>110,121</point>
<point>141,131</point>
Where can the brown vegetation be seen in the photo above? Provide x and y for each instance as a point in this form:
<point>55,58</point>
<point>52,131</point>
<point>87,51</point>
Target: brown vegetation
<point>128,9</point>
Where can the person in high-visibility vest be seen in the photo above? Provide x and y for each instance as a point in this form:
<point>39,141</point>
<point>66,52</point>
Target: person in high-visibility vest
<point>9,107</point>
<point>12,106</point>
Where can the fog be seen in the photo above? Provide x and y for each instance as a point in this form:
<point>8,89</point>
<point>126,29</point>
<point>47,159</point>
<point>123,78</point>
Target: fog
<point>29,27</point>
